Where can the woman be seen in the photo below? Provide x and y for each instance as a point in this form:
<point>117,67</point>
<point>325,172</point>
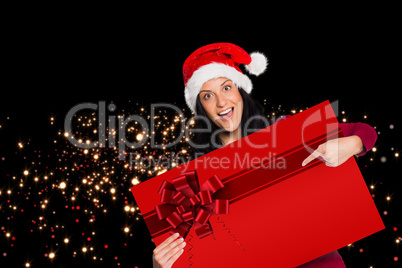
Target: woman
<point>217,91</point>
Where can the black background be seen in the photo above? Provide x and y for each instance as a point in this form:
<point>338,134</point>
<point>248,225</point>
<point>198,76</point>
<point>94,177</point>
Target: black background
<point>49,67</point>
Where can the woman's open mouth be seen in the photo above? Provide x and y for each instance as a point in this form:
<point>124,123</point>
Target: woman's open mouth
<point>226,114</point>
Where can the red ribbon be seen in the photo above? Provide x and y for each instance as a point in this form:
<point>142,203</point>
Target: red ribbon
<point>186,204</point>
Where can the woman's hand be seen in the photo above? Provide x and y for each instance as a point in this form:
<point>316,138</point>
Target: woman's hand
<point>335,152</point>
<point>168,252</point>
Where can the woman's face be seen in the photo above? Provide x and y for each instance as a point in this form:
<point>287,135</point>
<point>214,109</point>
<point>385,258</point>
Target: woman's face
<point>222,102</point>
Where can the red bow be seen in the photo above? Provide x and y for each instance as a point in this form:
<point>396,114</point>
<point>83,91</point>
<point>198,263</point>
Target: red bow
<point>187,204</point>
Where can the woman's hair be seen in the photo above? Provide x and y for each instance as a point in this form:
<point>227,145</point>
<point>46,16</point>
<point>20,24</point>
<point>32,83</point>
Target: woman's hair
<point>253,119</point>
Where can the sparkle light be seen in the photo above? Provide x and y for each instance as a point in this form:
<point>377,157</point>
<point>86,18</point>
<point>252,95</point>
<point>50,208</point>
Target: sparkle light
<point>139,137</point>
<point>62,185</point>
<point>135,181</point>
<point>52,255</point>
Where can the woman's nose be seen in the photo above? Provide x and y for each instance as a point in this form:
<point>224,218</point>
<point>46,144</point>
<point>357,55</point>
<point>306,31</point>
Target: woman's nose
<point>221,101</point>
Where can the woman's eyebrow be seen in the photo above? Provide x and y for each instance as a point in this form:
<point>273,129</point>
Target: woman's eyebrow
<point>207,90</point>
<point>225,82</point>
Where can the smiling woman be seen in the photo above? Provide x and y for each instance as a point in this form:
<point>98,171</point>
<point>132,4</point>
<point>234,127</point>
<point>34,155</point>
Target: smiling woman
<point>222,103</point>
<point>218,92</point>
<point>228,112</point>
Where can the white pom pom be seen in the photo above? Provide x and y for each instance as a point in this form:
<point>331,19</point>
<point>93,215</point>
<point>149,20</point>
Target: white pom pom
<point>258,63</point>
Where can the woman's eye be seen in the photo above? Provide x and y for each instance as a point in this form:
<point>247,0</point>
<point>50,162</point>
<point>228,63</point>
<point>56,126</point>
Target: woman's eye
<point>207,96</point>
<point>226,88</point>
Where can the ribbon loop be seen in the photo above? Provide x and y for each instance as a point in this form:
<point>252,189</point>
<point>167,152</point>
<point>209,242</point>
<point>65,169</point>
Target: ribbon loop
<point>187,216</point>
<point>166,185</point>
<point>202,216</point>
<point>174,219</point>
<point>180,209</point>
<point>194,200</point>
<point>164,210</point>
<point>213,184</point>
<point>181,185</point>
<point>186,204</point>
<point>167,195</point>
<point>205,197</point>
<point>179,198</point>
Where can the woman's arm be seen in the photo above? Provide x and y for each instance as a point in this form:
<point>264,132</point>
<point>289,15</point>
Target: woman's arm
<point>365,132</point>
<point>358,139</point>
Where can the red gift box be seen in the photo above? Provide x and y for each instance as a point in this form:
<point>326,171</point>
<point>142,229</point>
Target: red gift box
<point>251,203</point>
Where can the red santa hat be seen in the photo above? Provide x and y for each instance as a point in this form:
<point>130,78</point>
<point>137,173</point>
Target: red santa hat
<point>219,60</point>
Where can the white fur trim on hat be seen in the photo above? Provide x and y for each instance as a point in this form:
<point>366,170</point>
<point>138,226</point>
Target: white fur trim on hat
<point>213,71</point>
<point>258,63</point>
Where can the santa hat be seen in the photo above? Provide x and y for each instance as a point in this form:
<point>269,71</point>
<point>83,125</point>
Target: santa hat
<point>219,60</point>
